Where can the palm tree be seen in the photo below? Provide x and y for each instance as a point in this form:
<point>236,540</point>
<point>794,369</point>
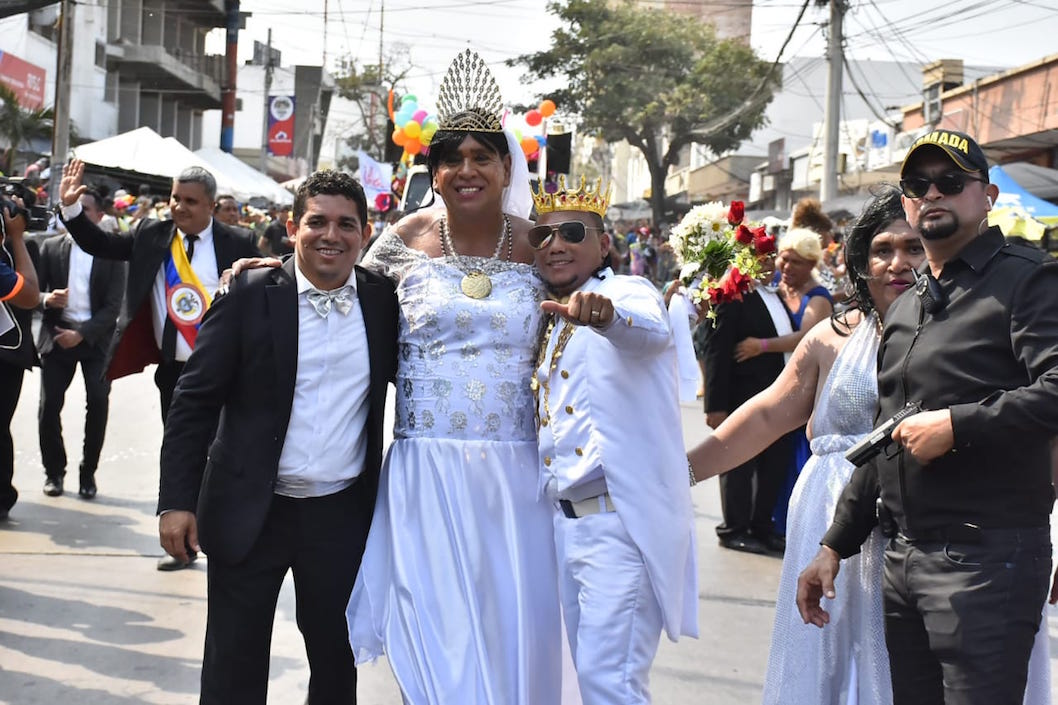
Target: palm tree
<point>18,125</point>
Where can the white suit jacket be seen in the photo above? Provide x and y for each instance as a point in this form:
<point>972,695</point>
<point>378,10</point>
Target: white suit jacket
<point>614,403</point>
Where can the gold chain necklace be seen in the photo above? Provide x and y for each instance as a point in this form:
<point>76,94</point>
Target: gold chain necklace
<point>475,283</point>
<point>535,383</point>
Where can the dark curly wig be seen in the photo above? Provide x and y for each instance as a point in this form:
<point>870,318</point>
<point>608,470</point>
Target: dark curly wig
<point>878,213</point>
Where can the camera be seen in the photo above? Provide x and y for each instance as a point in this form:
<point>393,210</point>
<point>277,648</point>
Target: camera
<point>37,217</point>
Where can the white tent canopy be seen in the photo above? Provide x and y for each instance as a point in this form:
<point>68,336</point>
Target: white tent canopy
<point>145,151</point>
<point>249,179</point>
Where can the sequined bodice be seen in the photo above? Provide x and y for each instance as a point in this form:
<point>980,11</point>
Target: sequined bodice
<point>847,404</point>
<point>464,363</point>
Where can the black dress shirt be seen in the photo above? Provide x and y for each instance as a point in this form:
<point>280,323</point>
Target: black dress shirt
<point>990,355</point>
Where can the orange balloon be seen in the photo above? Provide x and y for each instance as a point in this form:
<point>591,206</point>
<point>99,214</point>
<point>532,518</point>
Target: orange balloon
<point>529,146</point>
<point>413,147</point>
<point>398,137</point>
<point>547,107</point>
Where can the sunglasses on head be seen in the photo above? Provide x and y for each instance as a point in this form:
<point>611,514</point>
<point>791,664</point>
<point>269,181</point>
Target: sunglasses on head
<point>949,184</point>
<point>572,231</point>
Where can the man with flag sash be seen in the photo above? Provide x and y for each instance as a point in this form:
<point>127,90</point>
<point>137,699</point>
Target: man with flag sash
<point>173,264</point>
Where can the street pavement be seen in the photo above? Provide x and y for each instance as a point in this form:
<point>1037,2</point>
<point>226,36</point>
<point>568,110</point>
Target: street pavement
<point>86,619</point>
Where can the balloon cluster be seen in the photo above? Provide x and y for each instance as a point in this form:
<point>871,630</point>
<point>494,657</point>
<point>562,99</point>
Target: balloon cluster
<point>414,127</point>
<point>531,146</point>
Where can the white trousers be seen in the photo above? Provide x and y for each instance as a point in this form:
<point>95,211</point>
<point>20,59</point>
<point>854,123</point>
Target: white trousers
<point>613,620</point>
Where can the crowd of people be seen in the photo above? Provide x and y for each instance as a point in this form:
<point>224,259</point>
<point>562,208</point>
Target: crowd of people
<point>516,328</point>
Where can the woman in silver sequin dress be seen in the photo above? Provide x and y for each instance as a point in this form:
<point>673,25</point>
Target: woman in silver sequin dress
<point>830,384</point>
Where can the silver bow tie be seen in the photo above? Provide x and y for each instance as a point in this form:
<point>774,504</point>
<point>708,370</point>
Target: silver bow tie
<point>341,299</point>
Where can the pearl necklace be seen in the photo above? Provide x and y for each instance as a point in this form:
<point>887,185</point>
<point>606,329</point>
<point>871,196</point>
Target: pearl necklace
<point>476,284</point>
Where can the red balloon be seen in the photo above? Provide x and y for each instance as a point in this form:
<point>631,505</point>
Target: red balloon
<point>533,118</point>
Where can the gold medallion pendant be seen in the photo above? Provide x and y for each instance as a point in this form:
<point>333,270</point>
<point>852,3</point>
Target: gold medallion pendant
<point>476,285</point>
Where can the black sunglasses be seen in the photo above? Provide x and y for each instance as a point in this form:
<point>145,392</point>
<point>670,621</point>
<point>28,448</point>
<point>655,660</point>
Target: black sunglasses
<point>572,231</point>
<point>949,184</point>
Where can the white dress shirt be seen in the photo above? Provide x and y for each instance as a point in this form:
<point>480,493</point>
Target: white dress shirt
<point>78,302</point>
<point>326,444</point>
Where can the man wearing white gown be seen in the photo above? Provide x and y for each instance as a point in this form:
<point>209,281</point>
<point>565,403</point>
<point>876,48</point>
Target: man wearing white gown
<point>623,517</point>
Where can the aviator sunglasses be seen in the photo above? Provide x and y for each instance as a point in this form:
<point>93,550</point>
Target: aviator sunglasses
<point>949,184</point>
<point>572,231</point>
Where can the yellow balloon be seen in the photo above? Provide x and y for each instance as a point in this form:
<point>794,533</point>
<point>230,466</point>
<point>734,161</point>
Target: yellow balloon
<point>412,130</point>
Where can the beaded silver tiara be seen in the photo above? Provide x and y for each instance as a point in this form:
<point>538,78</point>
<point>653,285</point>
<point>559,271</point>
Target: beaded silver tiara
<point>469,98</point>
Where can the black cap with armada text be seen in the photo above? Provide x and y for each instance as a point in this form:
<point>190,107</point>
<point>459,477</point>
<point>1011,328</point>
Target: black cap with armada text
<point>959,146</point>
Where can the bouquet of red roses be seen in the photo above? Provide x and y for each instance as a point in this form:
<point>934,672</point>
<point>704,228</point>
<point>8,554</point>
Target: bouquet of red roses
<point>719,253</point>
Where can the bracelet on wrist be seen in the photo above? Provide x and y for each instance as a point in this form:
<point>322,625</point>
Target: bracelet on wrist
<point>690,473</point>
<point>763,344</point>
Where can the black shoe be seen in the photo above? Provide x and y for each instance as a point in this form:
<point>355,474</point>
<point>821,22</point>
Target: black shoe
<point>776,544</point>
<point>53,487</point>
<point>744,543</point>
<point>168,563</point>
<point>87,489</point>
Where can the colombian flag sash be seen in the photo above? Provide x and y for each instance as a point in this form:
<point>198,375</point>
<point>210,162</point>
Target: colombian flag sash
<point>185,297</point>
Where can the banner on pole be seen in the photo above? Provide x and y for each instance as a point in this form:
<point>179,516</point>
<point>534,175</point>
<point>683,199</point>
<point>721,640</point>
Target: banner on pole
<point>281,125</point>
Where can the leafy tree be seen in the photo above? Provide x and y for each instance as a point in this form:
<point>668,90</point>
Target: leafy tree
<point>656,78</point>
<point>18,125</point>
<point>368,88</point>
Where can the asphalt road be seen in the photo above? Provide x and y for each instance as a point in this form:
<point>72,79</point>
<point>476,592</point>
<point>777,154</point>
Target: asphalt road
<point>86,619</point>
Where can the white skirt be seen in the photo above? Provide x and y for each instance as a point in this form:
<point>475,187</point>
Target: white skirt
<point>458,584</point>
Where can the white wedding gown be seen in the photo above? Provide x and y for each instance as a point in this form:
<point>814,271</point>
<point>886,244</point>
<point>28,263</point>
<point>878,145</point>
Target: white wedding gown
<point>458,584</point>
<point>846,662</point>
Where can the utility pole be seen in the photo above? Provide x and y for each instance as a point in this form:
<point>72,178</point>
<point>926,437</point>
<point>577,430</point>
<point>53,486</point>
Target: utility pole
<point>60,145</point>
<point>828,186</point>
<point>267,103</point>
<point>227,112</point>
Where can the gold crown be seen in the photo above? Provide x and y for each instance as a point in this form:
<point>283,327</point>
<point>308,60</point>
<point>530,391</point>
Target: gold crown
<point>592,200</point>
<point>469,98</point>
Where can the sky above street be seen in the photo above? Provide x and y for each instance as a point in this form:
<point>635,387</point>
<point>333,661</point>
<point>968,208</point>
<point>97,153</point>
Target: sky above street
<point>989,33</point>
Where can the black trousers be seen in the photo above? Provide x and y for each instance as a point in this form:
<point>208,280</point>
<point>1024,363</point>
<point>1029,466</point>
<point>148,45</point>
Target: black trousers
<point>165,377</point>
<point>749,492</point>
<point>56,372</point>
<point>961,618</point>
<point>10,390</point>
<point>321,540</point>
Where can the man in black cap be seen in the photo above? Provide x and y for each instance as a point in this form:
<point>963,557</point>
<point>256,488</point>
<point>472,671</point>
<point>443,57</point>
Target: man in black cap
<point>966,496</point>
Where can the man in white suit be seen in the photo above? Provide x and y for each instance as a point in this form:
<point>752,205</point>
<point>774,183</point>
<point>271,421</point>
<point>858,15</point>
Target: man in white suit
<point>623,515</point>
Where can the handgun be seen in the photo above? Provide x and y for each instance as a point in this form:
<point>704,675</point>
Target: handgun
<point>881,437</point>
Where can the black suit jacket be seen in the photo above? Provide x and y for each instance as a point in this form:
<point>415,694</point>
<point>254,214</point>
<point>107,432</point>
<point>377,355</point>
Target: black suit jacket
<point>243,369</point>
<point>145,248</point>
<point>729,384</point>
<point>106,285</point>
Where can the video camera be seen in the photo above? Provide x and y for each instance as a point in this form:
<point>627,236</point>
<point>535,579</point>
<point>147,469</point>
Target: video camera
<point>37,217</point>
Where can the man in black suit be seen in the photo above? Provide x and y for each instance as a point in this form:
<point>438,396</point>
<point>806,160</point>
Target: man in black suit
<point>161,310</point>
<point>749,492</point>
<point>80,298</point>
<point>295,361</point>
